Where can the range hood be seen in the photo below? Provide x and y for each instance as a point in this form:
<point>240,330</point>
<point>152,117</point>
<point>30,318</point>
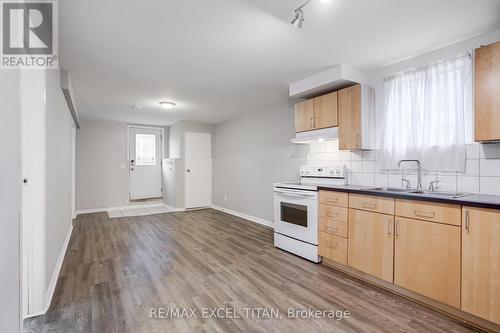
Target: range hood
<point>319,135</point>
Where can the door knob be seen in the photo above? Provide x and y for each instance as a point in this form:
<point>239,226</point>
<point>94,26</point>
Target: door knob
<point>188,170</point>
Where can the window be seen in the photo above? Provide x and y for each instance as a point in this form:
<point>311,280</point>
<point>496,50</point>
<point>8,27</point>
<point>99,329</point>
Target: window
<point>145,149</point>
<point>428,115</point>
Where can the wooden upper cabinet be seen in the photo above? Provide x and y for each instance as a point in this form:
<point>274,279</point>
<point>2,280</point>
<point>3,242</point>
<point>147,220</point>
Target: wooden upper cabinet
<point>427,259</point>
<point>319,112</point>
<point>481,263</point>
<point>371,243</point>
<point>350,118</point>
<point>487,93</point>
<point>304,116</point>
<point>325,111</point>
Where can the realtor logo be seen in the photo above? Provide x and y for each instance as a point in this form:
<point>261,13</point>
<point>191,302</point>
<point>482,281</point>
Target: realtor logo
<point>29,34</point>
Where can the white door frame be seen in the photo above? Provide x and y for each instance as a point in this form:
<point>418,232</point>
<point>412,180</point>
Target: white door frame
<point>33,165</point>
<point>162,145</point>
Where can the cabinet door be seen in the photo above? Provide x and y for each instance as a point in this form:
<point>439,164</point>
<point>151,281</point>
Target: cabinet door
<point>350,117</point>
<point>481,263</point>
<point>325,111</point>
<point>427,259</point>
<point>304,116</point>
<point>487,93</point>
<point>371,246</point>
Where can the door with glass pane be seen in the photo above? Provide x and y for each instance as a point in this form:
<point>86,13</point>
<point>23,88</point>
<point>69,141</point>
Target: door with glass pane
<point>145,154</point>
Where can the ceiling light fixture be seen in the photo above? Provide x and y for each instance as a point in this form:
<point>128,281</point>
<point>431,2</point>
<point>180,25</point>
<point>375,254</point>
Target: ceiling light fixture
<point>167,105</point>
<point>298,19</point>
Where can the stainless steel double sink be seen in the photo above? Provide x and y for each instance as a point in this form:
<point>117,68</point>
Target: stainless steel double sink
<point>452,195</point>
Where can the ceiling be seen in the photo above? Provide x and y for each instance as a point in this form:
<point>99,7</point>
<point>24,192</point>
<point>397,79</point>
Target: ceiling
<point>220,58</point>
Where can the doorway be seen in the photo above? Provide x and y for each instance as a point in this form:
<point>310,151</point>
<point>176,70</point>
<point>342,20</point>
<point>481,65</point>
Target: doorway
<point>145,151</point>
<point>198,160</point>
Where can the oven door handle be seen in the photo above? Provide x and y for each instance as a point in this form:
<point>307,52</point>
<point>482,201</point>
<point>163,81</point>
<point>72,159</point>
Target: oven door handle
<point>295,194</point>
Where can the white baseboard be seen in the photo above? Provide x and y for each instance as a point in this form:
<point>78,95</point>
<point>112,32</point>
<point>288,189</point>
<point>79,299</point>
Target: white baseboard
<point>99,210</point>
<point>245,216</point>
<point>57,270</point>
<point>55,275</point>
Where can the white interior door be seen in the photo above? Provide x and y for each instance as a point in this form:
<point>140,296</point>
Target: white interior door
<point>33,113</point>
<point>198,158</point>
<point>145,154</point>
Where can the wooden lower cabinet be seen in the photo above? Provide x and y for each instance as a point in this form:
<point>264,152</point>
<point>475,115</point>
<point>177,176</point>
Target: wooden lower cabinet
<point>332,247</point>
<point>481,263</point>
<point>371,243</point>
<point>427,259</point>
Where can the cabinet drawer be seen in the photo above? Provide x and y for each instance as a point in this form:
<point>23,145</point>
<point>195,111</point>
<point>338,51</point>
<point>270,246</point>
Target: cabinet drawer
<point>333,247</point>
<point>333,212</point>
<point>372,203</point>
<point>333,227</point>
<point>333,198</point>
<point>429,211</point>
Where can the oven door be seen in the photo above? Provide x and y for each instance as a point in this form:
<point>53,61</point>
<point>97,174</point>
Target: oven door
<point>296,214</point>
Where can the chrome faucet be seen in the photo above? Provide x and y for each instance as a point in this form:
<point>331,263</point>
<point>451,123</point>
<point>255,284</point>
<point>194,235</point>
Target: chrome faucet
<point>419,173</point>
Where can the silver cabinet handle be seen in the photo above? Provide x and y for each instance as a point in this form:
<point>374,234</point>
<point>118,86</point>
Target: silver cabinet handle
<point>425,214</point>
<point>397,227</point>
<point>389,231</point>
<point>467,223</point>
<point>332,229</point>
<point>335,245</point>
<point>368,205</point>
<point>357,140</point>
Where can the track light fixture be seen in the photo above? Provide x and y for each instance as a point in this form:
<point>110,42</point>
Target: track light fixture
<point>298,19</point>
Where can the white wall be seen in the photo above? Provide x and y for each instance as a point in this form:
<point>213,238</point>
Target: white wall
<point>102,174</point>
<point>58,172</point>
<point>10,202</point>
<point>252,152</point>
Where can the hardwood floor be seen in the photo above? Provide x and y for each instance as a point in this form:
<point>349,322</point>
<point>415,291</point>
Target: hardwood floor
<point>117,271</point>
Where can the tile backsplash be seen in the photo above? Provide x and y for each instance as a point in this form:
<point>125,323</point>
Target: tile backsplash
<point>482,172</point>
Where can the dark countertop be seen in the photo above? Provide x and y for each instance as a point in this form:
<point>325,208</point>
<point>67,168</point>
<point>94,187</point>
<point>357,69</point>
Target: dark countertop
<point>472,200</point>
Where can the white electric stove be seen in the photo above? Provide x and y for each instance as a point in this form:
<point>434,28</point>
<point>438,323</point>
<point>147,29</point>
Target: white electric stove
<point>296,210</point>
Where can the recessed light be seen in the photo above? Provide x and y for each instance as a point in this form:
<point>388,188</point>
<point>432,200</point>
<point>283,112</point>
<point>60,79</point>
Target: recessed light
<point>326,1</point>
<point>137,106</point>
<point>167,105</point>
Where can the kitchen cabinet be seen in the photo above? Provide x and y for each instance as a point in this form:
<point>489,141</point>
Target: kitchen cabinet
<point>332,247</point>
<point>356,108</point>
<point>372,203</point>
<point>304,116</point>
<point>481,263</point>
<point>429,211</point>
<point>325,111</point>
<point>427,259</point>
<point>487,93</point>
<point>317,113</point>
<point>424,250</point>
<point>334,198</point>
<point>371,243</point>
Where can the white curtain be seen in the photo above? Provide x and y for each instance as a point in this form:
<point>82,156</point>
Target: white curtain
<point>425,115</point>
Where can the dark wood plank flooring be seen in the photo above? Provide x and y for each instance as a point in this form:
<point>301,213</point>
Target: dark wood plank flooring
<point>116,270</point>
